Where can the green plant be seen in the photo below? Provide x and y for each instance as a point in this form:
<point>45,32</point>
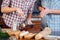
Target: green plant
<point>3,34</point>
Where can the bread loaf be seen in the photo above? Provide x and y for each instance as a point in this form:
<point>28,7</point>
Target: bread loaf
<point>43,33</point>
<point>29,36</point>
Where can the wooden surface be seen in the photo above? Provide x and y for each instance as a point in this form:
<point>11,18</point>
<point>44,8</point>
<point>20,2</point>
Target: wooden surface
<point>36,28</point>
<point>1,21</point>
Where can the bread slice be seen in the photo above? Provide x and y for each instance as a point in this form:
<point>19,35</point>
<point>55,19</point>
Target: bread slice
<point>29,36</point>
<point>43,33</point>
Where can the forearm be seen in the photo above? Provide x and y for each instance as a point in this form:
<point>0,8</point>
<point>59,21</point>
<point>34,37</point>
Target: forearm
<point>54,11</point>
<point>7,9</point>
<point>29,16</point>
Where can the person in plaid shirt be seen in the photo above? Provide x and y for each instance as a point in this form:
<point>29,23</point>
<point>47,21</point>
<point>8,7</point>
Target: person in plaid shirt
<point>50,14</point>
<point>17,9</point>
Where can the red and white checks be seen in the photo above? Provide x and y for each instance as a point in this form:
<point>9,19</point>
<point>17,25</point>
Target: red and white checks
<point>25,5</point>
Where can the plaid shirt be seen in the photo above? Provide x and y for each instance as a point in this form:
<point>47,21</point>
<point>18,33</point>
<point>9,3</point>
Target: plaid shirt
<point>52,20</point>
<point>25,5</point>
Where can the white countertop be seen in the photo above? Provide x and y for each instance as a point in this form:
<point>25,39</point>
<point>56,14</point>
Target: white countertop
<point>36,19</point>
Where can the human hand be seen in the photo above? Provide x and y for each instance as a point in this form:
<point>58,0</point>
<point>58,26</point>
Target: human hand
<point>29,22</point>
<point>20,12</point>
<point>44,12</point>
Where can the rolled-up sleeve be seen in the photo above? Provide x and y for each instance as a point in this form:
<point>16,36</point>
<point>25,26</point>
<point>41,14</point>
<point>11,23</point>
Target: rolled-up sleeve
<point>31,7</point>
<point>5,3</point>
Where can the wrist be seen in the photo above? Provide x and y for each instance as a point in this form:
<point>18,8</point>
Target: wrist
<point>15,9</point>
<point>50,11</point>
